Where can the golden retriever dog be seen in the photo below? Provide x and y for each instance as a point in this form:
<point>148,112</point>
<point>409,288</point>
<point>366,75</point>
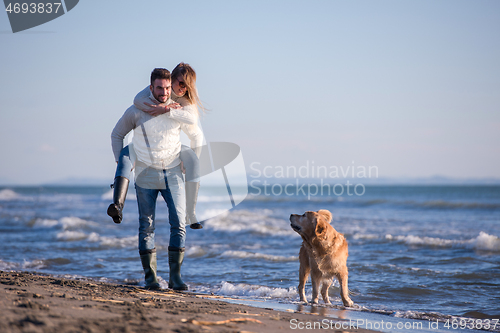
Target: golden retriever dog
<point>323,254</point>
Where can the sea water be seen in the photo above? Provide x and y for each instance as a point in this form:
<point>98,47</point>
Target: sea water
<point>419,252</point>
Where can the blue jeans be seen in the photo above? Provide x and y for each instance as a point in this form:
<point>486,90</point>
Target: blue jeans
<point>169,183</point>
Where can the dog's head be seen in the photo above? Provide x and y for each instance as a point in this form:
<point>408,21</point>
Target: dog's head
<point>312,225</point>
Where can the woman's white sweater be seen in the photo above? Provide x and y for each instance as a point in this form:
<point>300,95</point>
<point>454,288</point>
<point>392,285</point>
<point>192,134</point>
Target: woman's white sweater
<point>187,115</point>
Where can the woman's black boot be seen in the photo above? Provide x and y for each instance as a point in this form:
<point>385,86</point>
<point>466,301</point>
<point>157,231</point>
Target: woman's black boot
<point>120,188</point>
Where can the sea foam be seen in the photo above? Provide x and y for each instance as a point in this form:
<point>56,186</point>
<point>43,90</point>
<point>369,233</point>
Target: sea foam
<point>33,264</point>
<point>195,251</point>
<point>113,241</point>
<point>67,223</point>
<point>8,266</point>
<point>229,289</point>
<point>72,222</point>
<point>259,222</point>
<point>69,235</point>
<point>483,242</point>
<point>7,194</point>
<point>251,255</point>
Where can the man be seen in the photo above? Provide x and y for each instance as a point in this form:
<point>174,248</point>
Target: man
<point>156,145</point>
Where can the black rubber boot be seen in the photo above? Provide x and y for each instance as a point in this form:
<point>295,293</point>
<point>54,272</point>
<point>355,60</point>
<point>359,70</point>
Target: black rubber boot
<point>120,188</point>
<point>175,259</point>
<point>191,199</point>
<point>148,260</point>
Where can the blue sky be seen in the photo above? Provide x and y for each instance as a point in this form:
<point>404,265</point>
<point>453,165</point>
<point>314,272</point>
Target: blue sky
<point>411,87</point>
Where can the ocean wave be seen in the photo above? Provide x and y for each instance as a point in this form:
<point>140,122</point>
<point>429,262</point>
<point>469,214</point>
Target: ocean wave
<point>212,213</point>
<point>251,255</point>
<point>72,222</point>
<point>419,315</point>
<point>93,237</point>
<point>365,236</point>
<point>67,223</point>
<point>44,223</point>
<point>108,196</point>
<point>8,266</point>
<point>395,269</point>
<point>229,289</point>
<point>7,195</point>
<point>365,201</point>
<point>195,251</point>
<point>456,322</point>
<point>432,204</point>
<point>483,242</point>
<point>162,282</point>
<point>124,242</point>
<point>69,235</point>
<point>14,266</point>
<point>441,204</point>
<point>290,296</point>
<point>257,221</point>
<point>34,264</point>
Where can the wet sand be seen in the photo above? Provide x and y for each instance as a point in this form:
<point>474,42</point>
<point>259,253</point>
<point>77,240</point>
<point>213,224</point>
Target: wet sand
<point>32,302</point>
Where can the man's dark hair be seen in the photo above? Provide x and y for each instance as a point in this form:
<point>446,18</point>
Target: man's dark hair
<point>160,73</point>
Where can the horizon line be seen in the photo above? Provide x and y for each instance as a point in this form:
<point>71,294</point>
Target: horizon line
<point>403,180</point>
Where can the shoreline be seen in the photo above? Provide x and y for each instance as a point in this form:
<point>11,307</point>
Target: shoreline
<point>36,302</point>
<point>40,302</point>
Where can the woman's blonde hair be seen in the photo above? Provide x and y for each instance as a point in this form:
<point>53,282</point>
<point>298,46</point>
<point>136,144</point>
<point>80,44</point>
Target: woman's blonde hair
<point>189,76</point>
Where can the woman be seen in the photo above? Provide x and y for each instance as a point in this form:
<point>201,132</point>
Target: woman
<point>184,110</point>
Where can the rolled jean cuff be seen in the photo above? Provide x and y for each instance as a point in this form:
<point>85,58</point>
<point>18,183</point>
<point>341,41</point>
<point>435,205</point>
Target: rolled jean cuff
<point>142,252</point>
<point>176,249</point>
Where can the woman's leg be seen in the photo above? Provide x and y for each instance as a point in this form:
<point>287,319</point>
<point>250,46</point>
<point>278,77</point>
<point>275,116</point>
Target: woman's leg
<point>120,185</point>
<point>192,166</point>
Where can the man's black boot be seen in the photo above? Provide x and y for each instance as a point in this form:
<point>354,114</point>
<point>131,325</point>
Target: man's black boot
<point>175,259</point>
<point>148,260</point>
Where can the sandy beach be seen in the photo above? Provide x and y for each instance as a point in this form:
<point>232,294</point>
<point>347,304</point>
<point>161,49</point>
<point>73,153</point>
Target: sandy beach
<point>32,302</point>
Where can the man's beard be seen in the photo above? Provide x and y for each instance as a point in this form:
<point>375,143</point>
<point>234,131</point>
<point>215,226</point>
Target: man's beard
<point>160,99</point>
